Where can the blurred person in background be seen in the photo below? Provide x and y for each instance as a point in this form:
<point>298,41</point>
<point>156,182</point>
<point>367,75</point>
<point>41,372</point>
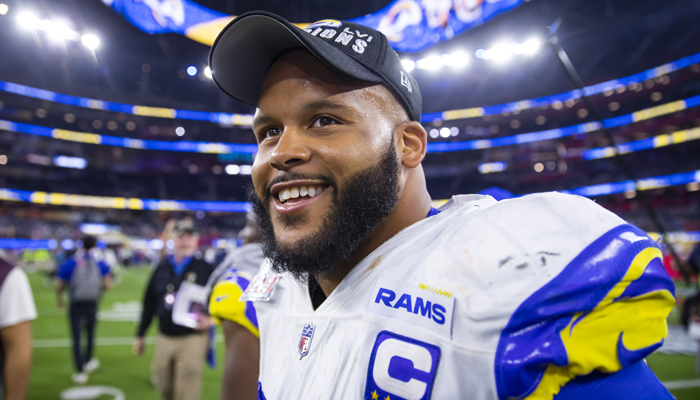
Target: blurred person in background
<point>17,310</point>
<point>87,275</point>
<point>238,319</point>
<point>180,351</point>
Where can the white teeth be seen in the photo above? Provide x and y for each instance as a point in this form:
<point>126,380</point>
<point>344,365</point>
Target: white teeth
<point>296,192</point>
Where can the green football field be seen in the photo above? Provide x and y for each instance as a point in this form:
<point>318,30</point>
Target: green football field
<point>52,366</point>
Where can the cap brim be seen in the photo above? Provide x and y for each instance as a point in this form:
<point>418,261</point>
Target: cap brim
<point>246,48</point>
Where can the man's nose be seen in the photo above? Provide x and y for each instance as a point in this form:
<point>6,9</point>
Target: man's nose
<point>290,150</point>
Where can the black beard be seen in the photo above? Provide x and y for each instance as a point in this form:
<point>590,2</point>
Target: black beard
<point>369,197</point>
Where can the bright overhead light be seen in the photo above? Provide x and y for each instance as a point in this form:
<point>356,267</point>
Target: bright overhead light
<point>191,70</point>
<point>430,63</point>
<point>59,31</point>
<point>179,131</point>
<point>500,52</point>
<point>90,41</point>
<point>207,72</point>
<point>28,20</point>
<point>530,47</point>
<point>445,132</point>
<point>458,60</point>
<point>4,9</point>
<point>408,65</point>
<point>246,169</point>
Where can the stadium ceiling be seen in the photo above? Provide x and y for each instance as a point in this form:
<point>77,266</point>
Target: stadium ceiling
<point>606,39</point>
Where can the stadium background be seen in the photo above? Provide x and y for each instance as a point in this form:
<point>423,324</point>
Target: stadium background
<point>117,139</point>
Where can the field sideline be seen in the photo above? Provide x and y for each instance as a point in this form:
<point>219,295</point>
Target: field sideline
<point>52,365</point>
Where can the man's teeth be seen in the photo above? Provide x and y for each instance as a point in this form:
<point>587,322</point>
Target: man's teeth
<point>293,193</point>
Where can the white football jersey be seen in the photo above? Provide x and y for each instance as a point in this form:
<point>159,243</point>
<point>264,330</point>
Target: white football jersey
<point>486,300</point>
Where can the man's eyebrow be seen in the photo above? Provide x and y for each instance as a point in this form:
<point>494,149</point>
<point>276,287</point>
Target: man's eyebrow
<point>326,105</point>
<point>262,120</point>
<point>314,106</point>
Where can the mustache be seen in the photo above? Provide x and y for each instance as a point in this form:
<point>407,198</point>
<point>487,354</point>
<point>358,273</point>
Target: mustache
<point>287,177</point>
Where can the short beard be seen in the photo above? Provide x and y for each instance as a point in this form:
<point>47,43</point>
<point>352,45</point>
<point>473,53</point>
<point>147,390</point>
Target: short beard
<point>369,197</point>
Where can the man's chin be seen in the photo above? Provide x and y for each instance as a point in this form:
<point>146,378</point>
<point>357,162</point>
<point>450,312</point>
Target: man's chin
<point>289,238</point>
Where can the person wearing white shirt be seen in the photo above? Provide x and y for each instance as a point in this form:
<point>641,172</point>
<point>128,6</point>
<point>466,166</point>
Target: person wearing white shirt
<point>16,314</point>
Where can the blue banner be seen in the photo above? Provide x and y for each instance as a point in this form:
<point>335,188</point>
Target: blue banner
<point>410,25</point>
<point>415,25</point>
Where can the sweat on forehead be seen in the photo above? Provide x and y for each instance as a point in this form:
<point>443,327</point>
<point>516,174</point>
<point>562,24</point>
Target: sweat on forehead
<point>301,65</point>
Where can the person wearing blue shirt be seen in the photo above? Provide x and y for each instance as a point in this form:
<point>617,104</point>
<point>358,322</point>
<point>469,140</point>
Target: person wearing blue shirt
<point>86,276</point>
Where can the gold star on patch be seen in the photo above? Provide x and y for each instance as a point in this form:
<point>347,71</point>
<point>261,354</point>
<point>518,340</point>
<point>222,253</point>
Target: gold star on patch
<point>375,396</point>
<point>387,397</point>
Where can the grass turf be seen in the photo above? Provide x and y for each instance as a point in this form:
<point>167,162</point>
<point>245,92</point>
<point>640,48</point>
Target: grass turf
<point>53,365</point>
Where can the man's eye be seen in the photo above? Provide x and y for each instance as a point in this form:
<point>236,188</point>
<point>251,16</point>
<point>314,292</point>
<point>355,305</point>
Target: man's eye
<point>324,121</point>
<point>270,132</point>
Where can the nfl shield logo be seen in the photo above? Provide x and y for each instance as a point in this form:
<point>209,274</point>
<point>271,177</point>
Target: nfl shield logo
<point>305,342</point>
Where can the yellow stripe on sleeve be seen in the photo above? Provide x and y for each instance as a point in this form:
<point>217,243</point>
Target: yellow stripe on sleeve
<point>225,304</point>
<point>591,342</point>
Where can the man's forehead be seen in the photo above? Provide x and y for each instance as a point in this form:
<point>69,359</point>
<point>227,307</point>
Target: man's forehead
<point>301,80</point>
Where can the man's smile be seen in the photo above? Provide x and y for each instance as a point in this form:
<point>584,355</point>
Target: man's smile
<point>296,195</point>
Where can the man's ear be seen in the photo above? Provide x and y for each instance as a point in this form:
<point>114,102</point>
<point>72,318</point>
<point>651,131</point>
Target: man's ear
<point>412,141</point>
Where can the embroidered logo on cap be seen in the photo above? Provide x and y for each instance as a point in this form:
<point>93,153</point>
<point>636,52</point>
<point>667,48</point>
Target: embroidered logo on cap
<point>333,23</point>
<point>406,82</point>
<point>345,37</point>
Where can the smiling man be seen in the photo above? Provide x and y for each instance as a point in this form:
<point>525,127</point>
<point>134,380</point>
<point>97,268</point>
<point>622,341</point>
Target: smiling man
<point>369,293</point>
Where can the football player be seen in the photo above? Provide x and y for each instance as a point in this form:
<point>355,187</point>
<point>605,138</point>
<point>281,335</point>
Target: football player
<point>369,293</point>
<point>237,318</point>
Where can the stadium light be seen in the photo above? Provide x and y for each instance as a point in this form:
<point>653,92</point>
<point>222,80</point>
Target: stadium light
<point>4,9</point>
<point>179,131</point>
<point>445,132</point>
<point>490,167</point>
<point>232,169</point>
<point>90,41</point>
<point>246,169</point>
<point>59,31</point>
<point>500,53</point>
<point>459,59</point>
<point>70,162</point>
<point>28,20</point>
<point>429,63</point>
<point>408,65</point>
<point>207,72</point>
<point>191,70</point>
<point>530,47</point>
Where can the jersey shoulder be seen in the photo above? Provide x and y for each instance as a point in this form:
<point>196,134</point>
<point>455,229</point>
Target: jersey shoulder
<point>225,300</point>
<point>604,311</point>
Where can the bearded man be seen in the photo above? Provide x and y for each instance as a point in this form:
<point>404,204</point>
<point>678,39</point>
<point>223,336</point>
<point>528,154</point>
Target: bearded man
<point>369,293</point>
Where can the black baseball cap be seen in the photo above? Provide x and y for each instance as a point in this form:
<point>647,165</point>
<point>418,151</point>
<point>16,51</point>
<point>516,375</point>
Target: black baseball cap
<point>246,48</point>
<point>185,226</point>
